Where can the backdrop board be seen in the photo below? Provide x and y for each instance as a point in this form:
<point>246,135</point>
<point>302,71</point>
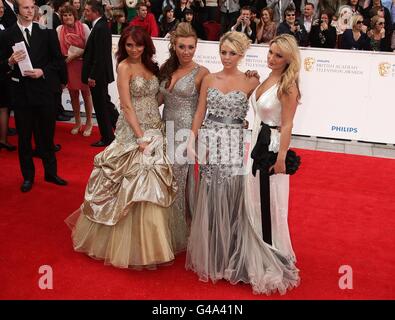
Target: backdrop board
<point>345,94</point>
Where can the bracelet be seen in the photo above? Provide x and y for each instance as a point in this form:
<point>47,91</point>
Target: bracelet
<point>143,139</point>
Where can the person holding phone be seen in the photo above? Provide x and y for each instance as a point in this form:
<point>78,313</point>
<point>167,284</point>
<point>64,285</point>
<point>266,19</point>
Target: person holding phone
<point>292,27</point>
<point>245,25</point>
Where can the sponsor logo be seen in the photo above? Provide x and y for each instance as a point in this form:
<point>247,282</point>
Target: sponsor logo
<point>309,64</point>
<point>384,69</point>
<point>344,129</point>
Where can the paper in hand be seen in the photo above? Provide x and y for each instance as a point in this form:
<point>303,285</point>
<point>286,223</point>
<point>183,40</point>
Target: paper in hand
<point>25,64</point>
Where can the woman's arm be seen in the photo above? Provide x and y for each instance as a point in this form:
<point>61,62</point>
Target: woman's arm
<point>160,99</point>
<point>199,78</point>
<point>288,109</point>
<point>198,118</point>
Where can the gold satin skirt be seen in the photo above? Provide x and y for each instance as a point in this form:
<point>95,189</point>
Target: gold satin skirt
<point>124,219</point>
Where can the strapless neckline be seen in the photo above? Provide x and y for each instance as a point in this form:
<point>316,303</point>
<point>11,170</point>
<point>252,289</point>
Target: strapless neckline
<point>141,77</point>
<point>229,92</point>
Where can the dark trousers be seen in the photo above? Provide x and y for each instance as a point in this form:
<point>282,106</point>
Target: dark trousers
<point>41,120</point>
<point>106,113</point>
<point>58,103</point>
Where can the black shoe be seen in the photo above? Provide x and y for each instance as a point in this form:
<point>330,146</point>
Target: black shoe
<point>56,180</point>
<point>62,117</point>
<point>99,143</point>
<point>57,147</point>
<point>11,132</point>
<point>26,185</point>
<point>7,146</point>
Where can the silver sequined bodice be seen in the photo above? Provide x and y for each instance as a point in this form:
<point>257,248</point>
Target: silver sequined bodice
<point>224,141</point>
<point>180,102</point>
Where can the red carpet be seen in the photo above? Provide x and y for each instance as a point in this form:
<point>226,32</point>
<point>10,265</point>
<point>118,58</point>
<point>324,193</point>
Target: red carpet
<point>341,213</point>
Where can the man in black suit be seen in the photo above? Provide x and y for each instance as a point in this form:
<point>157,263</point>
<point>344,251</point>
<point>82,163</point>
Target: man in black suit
<point>97,71</point>
<point>245,25</point>
<point>32,97</point>
<point>9,17</point>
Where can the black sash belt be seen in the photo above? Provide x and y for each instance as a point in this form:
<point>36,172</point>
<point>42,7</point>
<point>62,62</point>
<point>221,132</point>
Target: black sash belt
<point>261,151</point>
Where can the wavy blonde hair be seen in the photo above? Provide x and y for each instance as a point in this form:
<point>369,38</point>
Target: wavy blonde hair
<point>237,41</point>
<point>290,76</point>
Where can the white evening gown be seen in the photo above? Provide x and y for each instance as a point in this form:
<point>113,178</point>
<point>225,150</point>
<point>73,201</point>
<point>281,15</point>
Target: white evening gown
<point>268,110</point>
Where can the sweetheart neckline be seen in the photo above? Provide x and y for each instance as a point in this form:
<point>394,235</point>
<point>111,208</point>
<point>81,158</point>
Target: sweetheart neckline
<point>150,79</point>
<point>231,91</point>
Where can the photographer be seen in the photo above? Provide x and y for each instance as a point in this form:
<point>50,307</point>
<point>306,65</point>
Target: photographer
<point>322,34</point>
<point>292,27</point>
<point>245,25</point>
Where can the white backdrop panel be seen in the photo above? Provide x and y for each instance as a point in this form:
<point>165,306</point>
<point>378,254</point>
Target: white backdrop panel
<point>345,94</point>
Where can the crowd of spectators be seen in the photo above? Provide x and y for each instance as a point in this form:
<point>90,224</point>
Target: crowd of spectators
<point>315,23</point>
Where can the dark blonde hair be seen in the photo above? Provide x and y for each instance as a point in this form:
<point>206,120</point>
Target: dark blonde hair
<point>183,30</point>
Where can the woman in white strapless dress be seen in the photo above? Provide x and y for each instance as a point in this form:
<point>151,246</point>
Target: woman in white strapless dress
<point>274,102</point>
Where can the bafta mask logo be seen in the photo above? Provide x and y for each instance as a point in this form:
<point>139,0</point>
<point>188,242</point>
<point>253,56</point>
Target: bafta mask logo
<point>384,69</point>
<point>309,63</point>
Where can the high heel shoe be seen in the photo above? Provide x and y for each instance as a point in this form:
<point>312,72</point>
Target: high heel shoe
<point>7,146</point>
<point>76,129</point>
<point>88,130</point>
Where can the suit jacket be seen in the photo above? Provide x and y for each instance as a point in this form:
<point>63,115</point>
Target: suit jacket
<point>97,58</point>
<point>44,53</point>
<point>253,29</point>
<point>9,17</point>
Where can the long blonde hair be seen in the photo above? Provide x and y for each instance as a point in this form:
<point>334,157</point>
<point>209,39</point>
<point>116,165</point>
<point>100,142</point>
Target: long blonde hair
<point>290,51</point>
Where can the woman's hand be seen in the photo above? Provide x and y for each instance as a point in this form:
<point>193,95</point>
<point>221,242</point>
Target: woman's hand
<point>278,167</point>
<point>191,152</point>
<point>142,146</point>
<point>252,73</point>
<point>69,58</point>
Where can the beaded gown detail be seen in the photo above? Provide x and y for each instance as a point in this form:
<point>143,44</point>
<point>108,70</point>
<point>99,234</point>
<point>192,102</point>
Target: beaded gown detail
<point>179,109</point>
<point>223,242</point>
<point>124,217</point>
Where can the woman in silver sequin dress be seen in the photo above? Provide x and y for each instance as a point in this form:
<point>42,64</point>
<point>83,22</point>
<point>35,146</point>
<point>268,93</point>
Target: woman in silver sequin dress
<point>180,79</point>
<point>224,242</point>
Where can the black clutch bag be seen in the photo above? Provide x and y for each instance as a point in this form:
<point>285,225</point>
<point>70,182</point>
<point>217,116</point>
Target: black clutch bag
<point>264,159</point>
<point>292,161</point>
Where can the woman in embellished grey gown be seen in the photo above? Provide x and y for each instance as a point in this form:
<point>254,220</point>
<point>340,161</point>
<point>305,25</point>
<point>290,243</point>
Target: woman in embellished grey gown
<point>180,79</point>
<point>224,242</point>
<point>124,216</point>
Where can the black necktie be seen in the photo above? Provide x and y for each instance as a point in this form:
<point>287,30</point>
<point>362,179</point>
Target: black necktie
<point>28,36</point>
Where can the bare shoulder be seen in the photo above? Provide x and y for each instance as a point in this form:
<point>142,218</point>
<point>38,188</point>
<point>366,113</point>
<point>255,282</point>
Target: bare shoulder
<point>124,68</point>
<point>203,70</point>
<point>209,78</point>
